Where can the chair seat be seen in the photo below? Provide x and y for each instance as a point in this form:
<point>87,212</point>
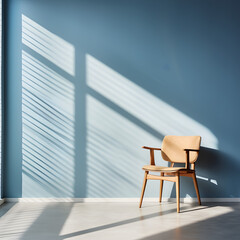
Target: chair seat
<point>154,168</point>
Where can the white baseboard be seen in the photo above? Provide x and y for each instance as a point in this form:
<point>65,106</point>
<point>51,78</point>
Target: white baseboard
<point>116,200</point>
<point>2,201</point>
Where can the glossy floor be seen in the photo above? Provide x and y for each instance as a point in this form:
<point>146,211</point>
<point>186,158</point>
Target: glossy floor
<point>35,221</point>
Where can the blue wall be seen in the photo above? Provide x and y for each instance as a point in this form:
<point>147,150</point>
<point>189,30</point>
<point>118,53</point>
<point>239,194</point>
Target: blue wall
<point>89,82</point>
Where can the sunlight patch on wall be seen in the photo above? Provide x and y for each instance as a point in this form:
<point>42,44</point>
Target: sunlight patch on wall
<point>49,45</point>
<point>202,178</point>
<point>48,131</point>
<point>151,110</point>
<point>114,154</point>
<point>114,141</point>
<point>48,114</point>
<point>214,181</point>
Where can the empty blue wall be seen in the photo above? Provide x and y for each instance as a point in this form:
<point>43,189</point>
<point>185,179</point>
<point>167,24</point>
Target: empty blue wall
<point>136,70</point>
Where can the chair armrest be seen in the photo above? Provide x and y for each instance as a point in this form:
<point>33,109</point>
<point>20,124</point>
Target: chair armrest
<point>151,148</point>
<point>152,160</point>
<point>187,150</point>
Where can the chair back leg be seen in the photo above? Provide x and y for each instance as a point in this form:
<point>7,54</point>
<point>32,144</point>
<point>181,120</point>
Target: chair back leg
<point>143,188</point>
<point>178,192</point>
<point>196,187</point>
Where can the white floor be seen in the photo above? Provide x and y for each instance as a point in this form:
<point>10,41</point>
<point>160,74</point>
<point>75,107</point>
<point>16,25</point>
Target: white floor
<point>35,221</point>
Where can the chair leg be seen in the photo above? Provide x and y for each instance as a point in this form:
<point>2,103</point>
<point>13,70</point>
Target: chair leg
<point>143,188</point>
<point>178,192</point>
<point>196,187</point>
<point>161,188</point>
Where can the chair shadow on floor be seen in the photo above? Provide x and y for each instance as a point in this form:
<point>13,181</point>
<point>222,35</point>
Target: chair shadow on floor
<point>221,227</point>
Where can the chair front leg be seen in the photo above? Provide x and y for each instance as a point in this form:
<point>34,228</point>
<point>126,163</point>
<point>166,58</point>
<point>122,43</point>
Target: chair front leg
<point>143,188</point>
<point>161,188</point>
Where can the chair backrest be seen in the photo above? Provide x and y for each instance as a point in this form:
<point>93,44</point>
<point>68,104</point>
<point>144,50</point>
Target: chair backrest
<point>173,148</point>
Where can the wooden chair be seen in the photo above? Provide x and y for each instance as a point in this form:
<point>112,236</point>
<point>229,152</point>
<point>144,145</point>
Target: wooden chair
<point>175,149</point>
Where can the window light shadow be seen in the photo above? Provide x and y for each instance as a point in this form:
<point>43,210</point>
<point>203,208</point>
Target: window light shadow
<point>24,220</point>
<point>143,105</point>
<point>113,152</point>
<point>48,115</point>
<point>49,45</point>
<point>119,116</point>
<point>13,226</point>
<point>160,215</point>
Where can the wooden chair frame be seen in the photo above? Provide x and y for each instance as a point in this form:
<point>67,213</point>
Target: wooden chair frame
<point>171,174</point>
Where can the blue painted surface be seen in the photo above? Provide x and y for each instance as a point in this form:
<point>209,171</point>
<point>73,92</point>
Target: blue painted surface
<point>175,69</point>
